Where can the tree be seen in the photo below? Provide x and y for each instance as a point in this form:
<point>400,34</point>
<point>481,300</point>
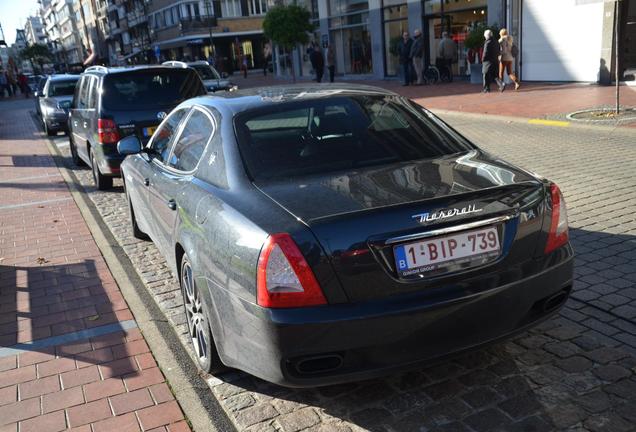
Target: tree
<point>288,26</point>
<point>37,53</point>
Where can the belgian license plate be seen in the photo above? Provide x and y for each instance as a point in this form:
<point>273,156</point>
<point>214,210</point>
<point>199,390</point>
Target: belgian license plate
<point>148,131</point>
<point>432,254</point>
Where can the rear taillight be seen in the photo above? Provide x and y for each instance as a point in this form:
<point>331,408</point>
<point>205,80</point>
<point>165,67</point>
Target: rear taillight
<point>284,279</point>
<point>107,132</point>
<point>558,235</point>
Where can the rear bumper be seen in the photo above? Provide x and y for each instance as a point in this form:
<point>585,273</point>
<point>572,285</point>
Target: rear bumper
<point>108,159</point>
<point>339,343</point>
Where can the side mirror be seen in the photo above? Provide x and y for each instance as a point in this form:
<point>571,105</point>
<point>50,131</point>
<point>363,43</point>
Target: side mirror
<point>129,145</point>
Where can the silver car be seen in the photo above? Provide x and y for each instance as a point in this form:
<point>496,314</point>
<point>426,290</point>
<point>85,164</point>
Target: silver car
<point>212,81</point>
<point>54,101</point>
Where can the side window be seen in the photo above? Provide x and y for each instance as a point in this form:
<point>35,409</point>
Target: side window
<point>83,96</point>
<point>77,92</point>
<point>191,143</point>
<point>92,93</point>
<point>160,143</point>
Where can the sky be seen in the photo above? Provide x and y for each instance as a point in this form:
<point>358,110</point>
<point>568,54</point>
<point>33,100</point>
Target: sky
<point>13,14</point>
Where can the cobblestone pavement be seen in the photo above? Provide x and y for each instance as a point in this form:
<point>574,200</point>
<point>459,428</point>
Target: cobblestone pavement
<point>575,372</point>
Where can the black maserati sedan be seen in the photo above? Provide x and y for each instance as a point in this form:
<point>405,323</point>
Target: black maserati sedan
<point>324,234</point>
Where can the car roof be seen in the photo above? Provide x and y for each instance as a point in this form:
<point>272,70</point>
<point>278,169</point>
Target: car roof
<point>258,97</point>
<point>63,77</point>
<point>103,70</point>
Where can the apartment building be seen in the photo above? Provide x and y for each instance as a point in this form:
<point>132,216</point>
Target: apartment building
<point>62,33</point>
<point>34,31</point>
<point>128,37</point>
<point>229,30</point>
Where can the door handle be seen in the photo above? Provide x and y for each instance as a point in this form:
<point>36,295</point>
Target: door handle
<point>146,182</point>
<point>172,204</point>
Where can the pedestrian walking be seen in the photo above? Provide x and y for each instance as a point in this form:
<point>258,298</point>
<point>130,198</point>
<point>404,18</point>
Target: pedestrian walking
<point>267,57</point>
<point>490,61</point>
<point>318,62</point>
<point>404,55</point>
<point>417,54</point>
<point>506,49</point>
<point>446,55</point>
<point>24,85</point>
<point>331,61</point>
<point>244,65</point>
<point>4,83</point>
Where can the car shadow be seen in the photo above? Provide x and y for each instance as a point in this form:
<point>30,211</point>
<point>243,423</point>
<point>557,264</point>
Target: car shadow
<point>64,313</point>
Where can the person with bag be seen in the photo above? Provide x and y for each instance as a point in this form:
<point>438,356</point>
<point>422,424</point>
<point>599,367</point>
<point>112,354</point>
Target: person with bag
<point>508,52</point>
<point>404,55</point>
<point>490,61</point>
<point>417,54</point>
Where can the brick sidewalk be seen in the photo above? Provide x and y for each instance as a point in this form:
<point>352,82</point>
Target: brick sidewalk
<point>533,100</point>
<point>71,355</point>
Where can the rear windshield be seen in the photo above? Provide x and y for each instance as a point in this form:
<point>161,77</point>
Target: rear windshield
<point>319,136</point>
<point>206,72</point>
<point>62,88</point>
<point>148,89</point>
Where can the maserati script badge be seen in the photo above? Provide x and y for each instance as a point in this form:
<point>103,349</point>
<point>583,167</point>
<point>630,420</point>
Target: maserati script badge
<point>444,214</point>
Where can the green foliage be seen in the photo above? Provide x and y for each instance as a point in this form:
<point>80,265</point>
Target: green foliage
<point>475,38</point>
<point>288,25</point>
<point>38,53</point>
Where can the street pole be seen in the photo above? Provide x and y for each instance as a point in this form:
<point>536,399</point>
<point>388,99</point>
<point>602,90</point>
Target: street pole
<point>616,54</point>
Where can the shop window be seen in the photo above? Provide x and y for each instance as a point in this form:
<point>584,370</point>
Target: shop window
<point>395,23</point>
<point>353,50</point>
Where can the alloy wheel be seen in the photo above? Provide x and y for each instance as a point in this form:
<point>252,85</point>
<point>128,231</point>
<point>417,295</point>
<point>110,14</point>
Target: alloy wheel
<point>197,325</point>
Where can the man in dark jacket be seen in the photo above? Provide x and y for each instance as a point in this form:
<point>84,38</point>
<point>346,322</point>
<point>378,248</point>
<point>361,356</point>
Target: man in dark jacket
<point>490,61</point>
<point>317,60</point>
<point>404,54</point>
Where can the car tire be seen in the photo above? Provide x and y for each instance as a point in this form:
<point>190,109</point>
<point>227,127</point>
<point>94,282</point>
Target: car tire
<point>199,330</point>
<point>137,233</point>
<point>101,181</point>
<point>77,161</point>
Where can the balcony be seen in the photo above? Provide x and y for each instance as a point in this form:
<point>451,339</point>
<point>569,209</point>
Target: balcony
<point>136,17</point>
<point>200,23</point>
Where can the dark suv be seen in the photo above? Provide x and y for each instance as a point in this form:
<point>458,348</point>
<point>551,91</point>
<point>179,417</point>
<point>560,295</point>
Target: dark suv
<point>111,103</point>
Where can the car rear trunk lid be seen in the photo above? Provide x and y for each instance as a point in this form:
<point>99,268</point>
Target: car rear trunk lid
<point>360,218</point>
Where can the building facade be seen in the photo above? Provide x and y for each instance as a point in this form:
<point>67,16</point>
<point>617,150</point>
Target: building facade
<point>229,32</point>
<point>364,35</point>
<point>34,31</point>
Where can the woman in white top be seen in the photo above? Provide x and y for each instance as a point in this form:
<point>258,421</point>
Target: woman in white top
<point>506,58</point>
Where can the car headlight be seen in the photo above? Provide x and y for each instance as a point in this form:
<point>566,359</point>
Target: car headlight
<point>233,88</point>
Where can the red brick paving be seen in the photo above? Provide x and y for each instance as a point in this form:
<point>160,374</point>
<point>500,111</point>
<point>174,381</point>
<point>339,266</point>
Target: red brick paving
<point>532,100</point>
<point>53,280</point>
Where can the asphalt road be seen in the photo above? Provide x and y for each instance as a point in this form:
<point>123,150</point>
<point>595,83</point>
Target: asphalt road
<point>575,372</point>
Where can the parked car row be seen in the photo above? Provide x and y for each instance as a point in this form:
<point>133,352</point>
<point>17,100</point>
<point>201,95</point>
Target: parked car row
<point>323,234</point>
